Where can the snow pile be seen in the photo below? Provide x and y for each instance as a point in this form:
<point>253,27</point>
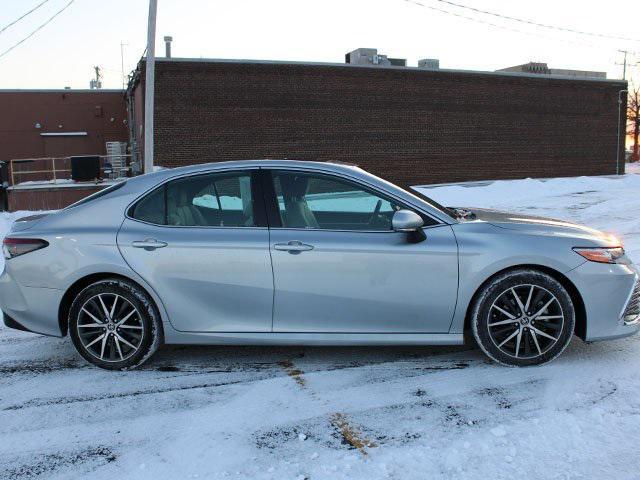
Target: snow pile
<point>57,181</point>
<point>606,203</point>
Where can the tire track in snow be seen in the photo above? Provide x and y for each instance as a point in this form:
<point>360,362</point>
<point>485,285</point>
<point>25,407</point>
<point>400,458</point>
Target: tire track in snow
<point>44,465</point>
<point>43,402</point>
<point>350,434</point>
<point>512,396</point>
<point>41,367</point>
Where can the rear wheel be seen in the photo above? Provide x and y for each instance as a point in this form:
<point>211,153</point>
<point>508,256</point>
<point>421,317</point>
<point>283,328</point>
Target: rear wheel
<point>114,324</point>
<point>523,317</point>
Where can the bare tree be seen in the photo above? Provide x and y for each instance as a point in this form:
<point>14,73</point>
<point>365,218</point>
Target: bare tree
<point>633,119</point>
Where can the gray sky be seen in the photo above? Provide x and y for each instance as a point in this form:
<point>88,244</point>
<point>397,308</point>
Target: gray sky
<point>89,33</point>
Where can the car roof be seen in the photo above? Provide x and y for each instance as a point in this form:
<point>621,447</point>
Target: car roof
<point>164,173</point>
<point>267,163</point>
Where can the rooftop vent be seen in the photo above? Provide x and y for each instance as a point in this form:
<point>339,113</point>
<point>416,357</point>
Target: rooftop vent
<point>370,56</point>
<point>429,63</point>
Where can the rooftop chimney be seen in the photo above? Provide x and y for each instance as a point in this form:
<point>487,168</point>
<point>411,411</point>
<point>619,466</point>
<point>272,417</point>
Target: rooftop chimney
<point>167,44</point>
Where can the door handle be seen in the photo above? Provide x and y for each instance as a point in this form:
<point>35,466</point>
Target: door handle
<point>148,244</point>
<point>293,246</point>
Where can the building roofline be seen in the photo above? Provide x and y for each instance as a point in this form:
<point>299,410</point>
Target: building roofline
<point>61,90</point>
<point>390,67</point>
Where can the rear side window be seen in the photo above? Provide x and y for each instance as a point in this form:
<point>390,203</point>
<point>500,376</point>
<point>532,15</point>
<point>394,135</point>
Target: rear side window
<point>213,200</point>
<point>209,200</point>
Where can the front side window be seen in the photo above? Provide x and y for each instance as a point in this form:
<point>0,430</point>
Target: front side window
<point>316,201</point>
<point>211,200</point>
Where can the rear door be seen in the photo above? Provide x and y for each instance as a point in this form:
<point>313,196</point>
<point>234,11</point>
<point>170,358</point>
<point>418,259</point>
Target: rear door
<point>202,244</point>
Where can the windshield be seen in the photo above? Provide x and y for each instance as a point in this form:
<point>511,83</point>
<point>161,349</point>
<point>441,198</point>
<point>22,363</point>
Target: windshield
<point>414,192</point>
<point>449,211</point>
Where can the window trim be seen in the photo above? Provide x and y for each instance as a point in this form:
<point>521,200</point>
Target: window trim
<point>273,209</point>
<point>259,212</point>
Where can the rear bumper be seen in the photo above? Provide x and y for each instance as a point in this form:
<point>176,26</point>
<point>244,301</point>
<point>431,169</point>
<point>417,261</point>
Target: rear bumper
<point>30,308</point>
<point>607,291</point>
<point>11,323</point>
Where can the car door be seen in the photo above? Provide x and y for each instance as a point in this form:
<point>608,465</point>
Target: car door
<point>202,244</point>
<point>339,267</point>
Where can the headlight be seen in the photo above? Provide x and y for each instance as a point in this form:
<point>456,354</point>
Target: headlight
<point>603,255</point>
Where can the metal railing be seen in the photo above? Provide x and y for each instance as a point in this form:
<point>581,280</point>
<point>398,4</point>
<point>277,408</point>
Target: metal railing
<point>54,169</point>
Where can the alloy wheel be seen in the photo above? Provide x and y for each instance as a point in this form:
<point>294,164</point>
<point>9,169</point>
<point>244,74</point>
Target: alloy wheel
<point>110,327</point>
<point>525,321</point>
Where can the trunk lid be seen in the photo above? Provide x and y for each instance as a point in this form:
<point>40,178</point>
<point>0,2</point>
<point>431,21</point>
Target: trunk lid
<point>27,222</point>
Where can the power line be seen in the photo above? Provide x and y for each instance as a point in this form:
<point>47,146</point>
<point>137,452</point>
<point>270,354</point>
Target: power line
<point>37,29</point>
<point>543,25</point>
<point>503,27</point>
<point>30,11</point>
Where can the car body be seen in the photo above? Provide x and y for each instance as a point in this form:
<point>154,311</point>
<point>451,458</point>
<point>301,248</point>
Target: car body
<point>263,282</point>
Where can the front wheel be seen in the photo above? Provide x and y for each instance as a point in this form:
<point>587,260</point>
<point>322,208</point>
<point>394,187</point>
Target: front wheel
<point>523,317</point>
<point>114,324</point>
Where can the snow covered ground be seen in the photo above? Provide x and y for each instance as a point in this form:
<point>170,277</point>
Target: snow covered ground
<point>339,413</point>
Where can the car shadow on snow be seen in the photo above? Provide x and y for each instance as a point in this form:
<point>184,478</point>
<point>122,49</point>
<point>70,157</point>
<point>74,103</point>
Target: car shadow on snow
<point>34,355</point>
<point>178,358</point>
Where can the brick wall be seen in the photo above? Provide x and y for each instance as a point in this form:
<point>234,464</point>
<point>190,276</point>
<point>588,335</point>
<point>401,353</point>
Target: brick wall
<point>100,113</point>
<point>48,198</point>
<point>406,125</point>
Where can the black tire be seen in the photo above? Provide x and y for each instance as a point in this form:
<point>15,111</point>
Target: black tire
<point>141,329</point>
<point>527,343</point>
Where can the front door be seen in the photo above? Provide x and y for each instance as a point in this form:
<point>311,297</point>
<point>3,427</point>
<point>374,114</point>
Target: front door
<point>340,268</point>
<point>202,244</point>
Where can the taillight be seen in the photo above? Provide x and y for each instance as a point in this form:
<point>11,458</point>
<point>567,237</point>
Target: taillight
<point>13,247</point>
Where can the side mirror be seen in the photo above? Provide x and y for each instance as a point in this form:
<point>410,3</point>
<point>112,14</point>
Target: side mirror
<point>406,221</point>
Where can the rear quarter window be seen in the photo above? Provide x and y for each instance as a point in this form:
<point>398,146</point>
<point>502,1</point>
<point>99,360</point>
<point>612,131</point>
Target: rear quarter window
<point>151,208</point>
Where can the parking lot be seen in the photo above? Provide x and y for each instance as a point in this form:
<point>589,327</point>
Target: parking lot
<point>292,412</point>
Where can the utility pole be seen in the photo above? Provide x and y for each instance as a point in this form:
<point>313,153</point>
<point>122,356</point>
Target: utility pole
<point>122,62</point>
<point>624,64</point>
<point>622,124</point>
<point>149,87</point>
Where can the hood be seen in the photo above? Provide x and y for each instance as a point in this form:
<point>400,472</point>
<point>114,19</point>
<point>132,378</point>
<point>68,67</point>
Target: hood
<point>531,224</point>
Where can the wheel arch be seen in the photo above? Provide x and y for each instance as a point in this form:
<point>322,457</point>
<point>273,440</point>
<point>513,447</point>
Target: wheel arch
<point>580,329</point>
<point>82,283</point>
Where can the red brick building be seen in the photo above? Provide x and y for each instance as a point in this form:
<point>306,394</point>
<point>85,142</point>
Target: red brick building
<point>45,124</point>
<point>409,125</point>
<point>60,123</point>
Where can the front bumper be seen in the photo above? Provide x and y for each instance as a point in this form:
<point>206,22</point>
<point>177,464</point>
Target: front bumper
<point>611,296</point>
<point>631,313</point>
<point>34,309</point>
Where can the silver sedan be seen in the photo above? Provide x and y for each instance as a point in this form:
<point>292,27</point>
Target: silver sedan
<point>285,252</point>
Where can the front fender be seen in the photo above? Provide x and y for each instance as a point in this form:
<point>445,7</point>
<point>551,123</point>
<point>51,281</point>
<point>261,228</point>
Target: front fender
<point>485,250</point>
